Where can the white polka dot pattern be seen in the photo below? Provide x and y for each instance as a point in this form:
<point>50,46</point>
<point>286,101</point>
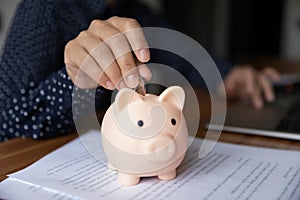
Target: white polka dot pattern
<point>35,90</point>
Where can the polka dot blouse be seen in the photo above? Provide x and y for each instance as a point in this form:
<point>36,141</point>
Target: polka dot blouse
<point>35,91</point>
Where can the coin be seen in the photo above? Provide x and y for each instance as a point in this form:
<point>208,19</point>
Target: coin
<point>141,89</point>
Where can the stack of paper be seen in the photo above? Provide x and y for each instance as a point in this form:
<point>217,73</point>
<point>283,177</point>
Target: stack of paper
<point>228,172</point>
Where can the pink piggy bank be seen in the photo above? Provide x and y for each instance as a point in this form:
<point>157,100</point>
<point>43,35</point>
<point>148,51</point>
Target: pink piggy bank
<point>145,136</point>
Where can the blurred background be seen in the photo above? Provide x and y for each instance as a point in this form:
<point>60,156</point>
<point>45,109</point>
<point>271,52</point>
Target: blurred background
<point>250,31</point>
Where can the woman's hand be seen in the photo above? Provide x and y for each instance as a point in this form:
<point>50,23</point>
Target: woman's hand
<point>107,54</point>
<point>247,82</point>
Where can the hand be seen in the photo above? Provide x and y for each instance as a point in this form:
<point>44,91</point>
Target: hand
<point>247,82</point>
<point>107,54</point>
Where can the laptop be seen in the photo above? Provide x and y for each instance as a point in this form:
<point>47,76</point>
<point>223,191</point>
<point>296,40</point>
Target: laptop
<point>280,118</point>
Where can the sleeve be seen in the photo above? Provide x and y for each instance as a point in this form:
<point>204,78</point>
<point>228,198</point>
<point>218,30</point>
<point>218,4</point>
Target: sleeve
<point>35,90</point>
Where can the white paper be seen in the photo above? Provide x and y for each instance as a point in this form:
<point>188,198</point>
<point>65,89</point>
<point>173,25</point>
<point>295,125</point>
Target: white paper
<point>15,189</point>
<point>228,172</point>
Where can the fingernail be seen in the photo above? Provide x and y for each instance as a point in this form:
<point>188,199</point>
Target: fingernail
<point>145,72</point>
<point>109,85</point>
<point>132,80</point>
<point>144,55</point>
<point>121,85</point>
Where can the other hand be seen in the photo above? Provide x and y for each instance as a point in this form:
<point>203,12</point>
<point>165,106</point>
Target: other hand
<point>246,82</point>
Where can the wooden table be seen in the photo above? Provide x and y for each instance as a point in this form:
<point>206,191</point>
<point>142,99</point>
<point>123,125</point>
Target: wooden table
<point>18,153</point>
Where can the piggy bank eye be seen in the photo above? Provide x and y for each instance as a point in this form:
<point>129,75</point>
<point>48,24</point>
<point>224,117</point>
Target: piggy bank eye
<point>140,123</point>
<point>173,121</point>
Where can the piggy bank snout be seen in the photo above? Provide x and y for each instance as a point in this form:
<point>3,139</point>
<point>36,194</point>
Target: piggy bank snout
<point>161,148</point>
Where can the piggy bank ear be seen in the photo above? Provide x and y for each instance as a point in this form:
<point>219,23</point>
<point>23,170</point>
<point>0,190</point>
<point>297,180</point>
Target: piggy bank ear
<point>174,95</point>
<point>126,96</point>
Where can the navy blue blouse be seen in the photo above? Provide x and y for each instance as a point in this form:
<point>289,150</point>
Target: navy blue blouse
<point>35,90</point>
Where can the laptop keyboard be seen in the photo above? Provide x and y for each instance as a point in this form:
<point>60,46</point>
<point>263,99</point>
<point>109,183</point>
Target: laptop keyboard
<point>291,120</point>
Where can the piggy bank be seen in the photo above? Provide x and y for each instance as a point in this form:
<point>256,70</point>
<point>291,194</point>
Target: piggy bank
<point>145,136</point>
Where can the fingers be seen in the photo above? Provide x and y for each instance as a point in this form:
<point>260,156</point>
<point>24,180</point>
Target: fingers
<point>85,62</point>
<point>266,87</point>
<point>246,82</point>
<point>104,53</point>
<point>256,99</point>
<point>267,76</point>
<point>272,74</point>
<point>239,83</point>
<point>144,72</point>
<point>120,49</point>
<point>127,36</point>
<point>249,80</point>
<point>253,89</point>
<point>73,70</point>
<point>135,36</point>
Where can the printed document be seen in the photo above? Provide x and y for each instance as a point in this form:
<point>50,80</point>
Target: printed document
<point>78,170</point>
